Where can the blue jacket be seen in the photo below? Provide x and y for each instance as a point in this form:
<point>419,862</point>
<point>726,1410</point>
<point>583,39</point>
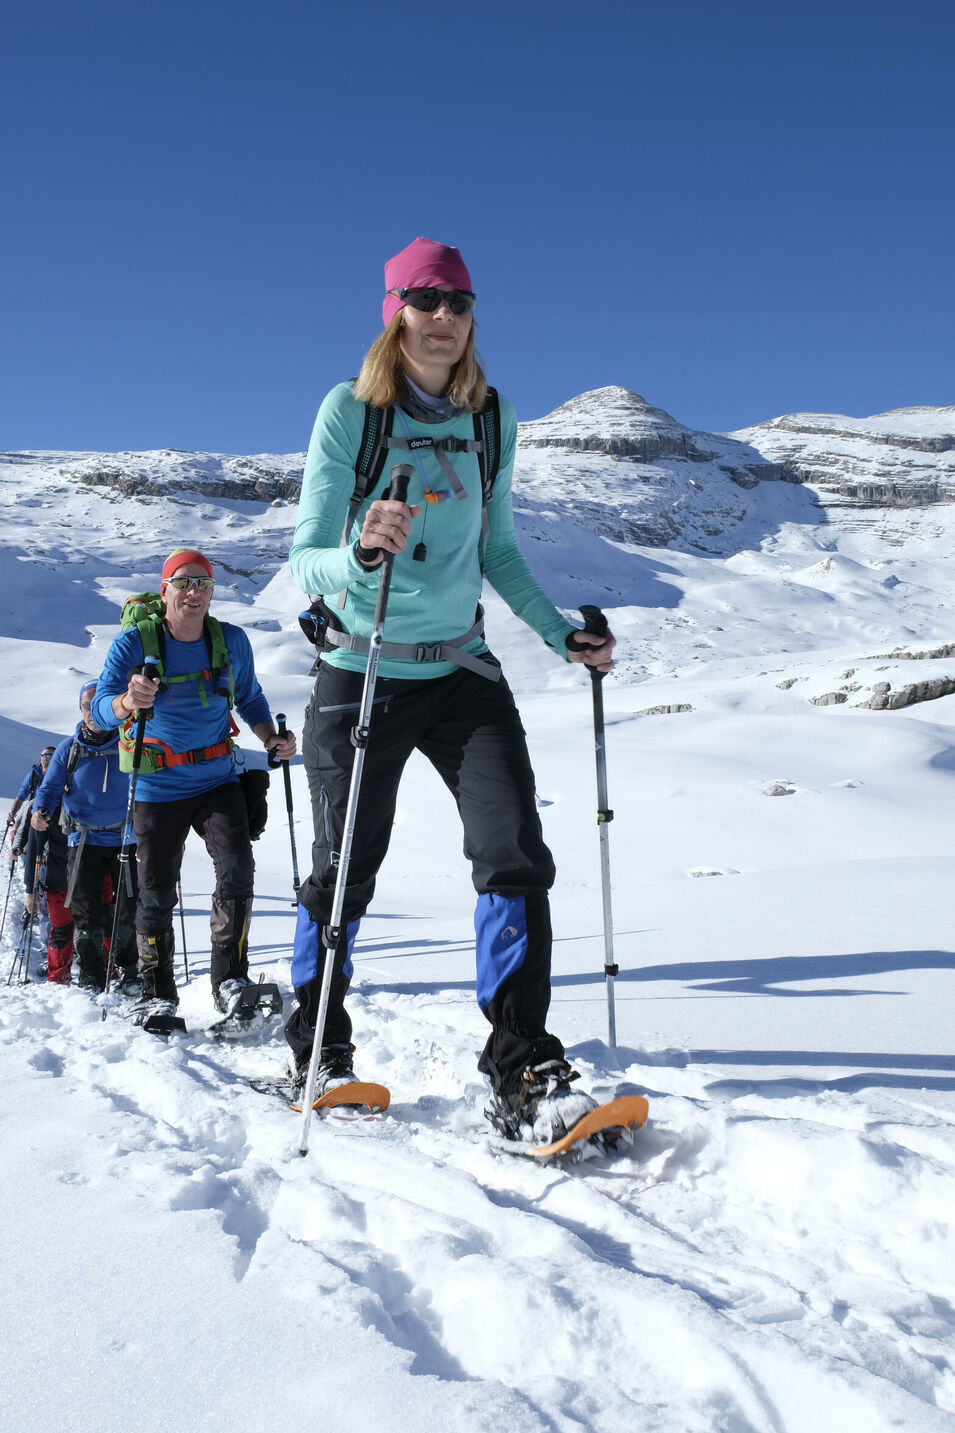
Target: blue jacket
<point>53,872</point>
<point>30,782</point>
<point>181,718</point>
<point>95,794</point>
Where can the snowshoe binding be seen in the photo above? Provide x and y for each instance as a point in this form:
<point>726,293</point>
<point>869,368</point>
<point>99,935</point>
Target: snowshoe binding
<point>156,1017</point>
<point>246,1008</point>
<point>541,1115</point>
<point>335,1085</point>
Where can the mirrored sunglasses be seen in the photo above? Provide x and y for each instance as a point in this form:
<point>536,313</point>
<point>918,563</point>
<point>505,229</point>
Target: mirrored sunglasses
<point>427,300</point>
<point>182,584</point>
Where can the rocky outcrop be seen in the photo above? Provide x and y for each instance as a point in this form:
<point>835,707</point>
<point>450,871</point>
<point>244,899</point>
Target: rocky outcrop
<point>668,709</point>
<point>883,698</point>
<point>263,478</point>
<point>901,459</point>
<point>946,650</point>
<point>912,428</point>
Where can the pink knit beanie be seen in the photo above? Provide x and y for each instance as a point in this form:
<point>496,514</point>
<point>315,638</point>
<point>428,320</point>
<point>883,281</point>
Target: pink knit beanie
<point>422,265</point>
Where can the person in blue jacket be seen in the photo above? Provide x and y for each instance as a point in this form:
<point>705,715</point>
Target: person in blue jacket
<point>188,778</point>
<point>18,824</point>
<point>85,776</point>
<point>440,689</point>
<point>30,783</point>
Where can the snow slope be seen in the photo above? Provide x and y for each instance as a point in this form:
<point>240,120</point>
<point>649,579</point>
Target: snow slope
<point>775,1252</point>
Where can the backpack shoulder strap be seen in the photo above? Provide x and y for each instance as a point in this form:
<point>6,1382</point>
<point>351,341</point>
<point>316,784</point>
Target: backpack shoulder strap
<point>219,659</point>
<point>151,635</point>
<point>487,430</point>
<point>372,454</point>
<point>72,762</point>
<point>487,437</point>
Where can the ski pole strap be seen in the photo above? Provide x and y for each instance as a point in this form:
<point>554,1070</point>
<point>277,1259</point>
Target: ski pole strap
<point>447,650</point>
<point>76,852</point>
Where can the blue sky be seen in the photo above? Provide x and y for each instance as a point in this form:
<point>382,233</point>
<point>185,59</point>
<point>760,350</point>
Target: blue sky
<point>734,209</point>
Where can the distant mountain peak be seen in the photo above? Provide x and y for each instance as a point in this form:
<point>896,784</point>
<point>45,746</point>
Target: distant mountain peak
<point>611,420</point>
<point>611,407</point>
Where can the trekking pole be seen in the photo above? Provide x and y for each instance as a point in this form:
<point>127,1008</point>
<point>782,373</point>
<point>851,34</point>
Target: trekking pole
<point>596,623</point>
<point>125,879</point>
<point>25,943</point>
<point>13,871</point>
<point>182,922</point>
<point>283,733</point>
<point>398,492</point>
<point>25,936</point>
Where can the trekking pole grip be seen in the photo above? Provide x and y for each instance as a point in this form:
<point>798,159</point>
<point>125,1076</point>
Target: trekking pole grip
<point>273,760</point>
<point>142,716</point>
<point>596,624</point>
<point>401,475</point>
<point>594,620</point>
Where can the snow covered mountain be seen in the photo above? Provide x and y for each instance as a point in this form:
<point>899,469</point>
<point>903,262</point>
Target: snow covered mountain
<point>776,1253</point>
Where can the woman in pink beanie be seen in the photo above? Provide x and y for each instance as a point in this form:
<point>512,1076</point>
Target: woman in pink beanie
<point>422,397</point>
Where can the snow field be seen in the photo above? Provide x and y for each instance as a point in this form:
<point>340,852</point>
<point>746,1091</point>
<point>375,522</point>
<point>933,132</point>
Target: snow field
<point>774,1254</point>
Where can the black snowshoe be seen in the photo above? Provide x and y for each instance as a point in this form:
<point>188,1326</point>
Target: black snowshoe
<point>246,1008</point>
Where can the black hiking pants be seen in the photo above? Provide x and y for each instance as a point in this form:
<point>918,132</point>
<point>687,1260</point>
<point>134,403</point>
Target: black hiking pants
<point>470,731</point>
<point>220,818</point>
<point>99,873</point>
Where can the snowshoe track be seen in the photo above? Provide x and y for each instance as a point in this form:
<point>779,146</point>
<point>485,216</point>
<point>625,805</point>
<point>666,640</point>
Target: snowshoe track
<point>408,1231</point>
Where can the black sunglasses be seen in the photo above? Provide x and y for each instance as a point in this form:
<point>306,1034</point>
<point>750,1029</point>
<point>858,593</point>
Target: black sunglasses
<point>427,300</point>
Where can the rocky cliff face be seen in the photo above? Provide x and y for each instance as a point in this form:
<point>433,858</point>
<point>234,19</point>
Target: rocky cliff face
<point>904,458</point>
<point>263,478</point>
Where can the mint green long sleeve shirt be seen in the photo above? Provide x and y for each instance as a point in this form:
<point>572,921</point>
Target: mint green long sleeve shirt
<point>429,601</point>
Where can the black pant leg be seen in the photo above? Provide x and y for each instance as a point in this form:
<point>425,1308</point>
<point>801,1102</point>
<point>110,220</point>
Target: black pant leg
<point>87,899</point>
<point>221,818</point>
<point>478,745</point>
<point>161,830</point>
<point>329,755</point>
<point>89,914</point>
<point>124,899</point>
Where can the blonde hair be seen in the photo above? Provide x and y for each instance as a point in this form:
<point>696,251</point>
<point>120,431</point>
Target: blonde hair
<point>381,381</point>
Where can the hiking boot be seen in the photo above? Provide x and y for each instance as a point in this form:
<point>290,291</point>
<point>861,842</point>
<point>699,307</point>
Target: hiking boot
<point>88,944</point>
<point>335,1068</point>
<point>127,983</point>
<point>149,1005</point>
<point>539,1106</point>
<point>229,994</point>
